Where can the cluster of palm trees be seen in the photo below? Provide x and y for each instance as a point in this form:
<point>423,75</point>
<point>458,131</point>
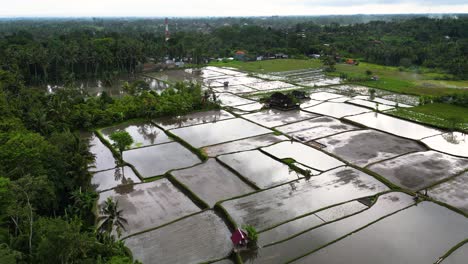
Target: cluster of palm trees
<point>111,218</point>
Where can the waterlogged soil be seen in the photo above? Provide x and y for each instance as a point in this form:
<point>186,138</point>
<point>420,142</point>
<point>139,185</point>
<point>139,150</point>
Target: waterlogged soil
<point>458,257</point>
<point>273,117</point>
<point>303,154</point>
<point>309,103</point>
<point>337,110</point>
<point>193,119</point>
<point>324,96</point>
<point>453,192</point>
<point>250,107</point>
<point>274,206</point>
<point>236,80</point>
<point>368,146</point>
<point>371,105</point>
<point>220,132</point>
<point>315,128</point>
<point>383,101</point>
<point>212,182</point>
<point>419,234</point>
<point>103,157</point>
<point>419,170</point>
<point>149,205</point>
<point>273,85</point>
<point>319,82</point>
<point>199,238</point>
<point>235,89</point>
<point>454,143</point>
<point>225,70</point>
<point>228,99</point>
<point>174,76</point>
<point>157,160</point>
<point>259,168</point>
<point>318,237</point>
<point>299,225</point>
<point>116,177</point>
<point>394,125</point>
<point>243,144</point>
<point>143,133</point>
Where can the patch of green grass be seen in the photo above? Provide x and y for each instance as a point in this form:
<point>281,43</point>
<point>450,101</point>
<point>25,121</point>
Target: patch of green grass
<point>420,82</point>
<point>271,65</point>
<point>439,115</point>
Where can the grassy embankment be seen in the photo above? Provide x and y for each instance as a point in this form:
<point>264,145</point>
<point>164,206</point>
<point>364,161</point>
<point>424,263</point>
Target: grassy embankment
<point>424,82</point>
<point>440,115</point>
<point>390,78</point>
<point>270,65</point>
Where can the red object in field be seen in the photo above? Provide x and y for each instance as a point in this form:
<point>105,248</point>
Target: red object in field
<point>239,237</point>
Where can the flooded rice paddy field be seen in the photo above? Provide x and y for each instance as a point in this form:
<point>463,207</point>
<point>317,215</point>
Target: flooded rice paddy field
<point>333,185</point>
<point>143,133</point>
<point>114,178</point>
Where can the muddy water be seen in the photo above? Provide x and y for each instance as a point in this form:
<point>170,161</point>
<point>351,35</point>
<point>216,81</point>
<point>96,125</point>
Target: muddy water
<point>454,143</point>
<point>235,89</point>
<point>453,192</point>
<point>215,133</point>
<point>259,168</point>
<point>243,144</point>
<point>104,159</point>
<point>228,99</point>
<point>272,85</point>
<point>419,234</point>
<point>303,154</point>
<point>367,146</point>
<point>212,182</point>
<point>294,227</point>
<point>250,107</point>
<point>273,117</point>
<point>315,128</point>
<point>196,239</point>
<point>419,170</point>
<point>235,80</point>
<point>173,76</point>
<point>369,104</point>
<point>324,96</point>
<point>337,110</point>
<point>143,133</point>
<point>109,179</point>
<point>277,205</point>
<point>192,119</point>
<point>315,238</point>
<point>157,160</point>
<point>149,205</point>
<point>394,125</point>
<point>383,101</point>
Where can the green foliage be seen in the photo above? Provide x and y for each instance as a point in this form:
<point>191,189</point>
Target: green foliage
<point>446,116</point>
<point>252,235</point>
<point>122,140</point>
<point>111,217</point>
<point>9,256</point>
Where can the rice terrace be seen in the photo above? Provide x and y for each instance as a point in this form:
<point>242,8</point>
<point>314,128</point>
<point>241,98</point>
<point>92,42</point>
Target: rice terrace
<point>341,169</point>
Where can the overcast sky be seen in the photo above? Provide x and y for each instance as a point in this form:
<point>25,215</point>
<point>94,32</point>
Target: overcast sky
<point>15,8</point>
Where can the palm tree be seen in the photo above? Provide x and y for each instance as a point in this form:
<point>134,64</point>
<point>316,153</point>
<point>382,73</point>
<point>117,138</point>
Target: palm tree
<point>111,217</point>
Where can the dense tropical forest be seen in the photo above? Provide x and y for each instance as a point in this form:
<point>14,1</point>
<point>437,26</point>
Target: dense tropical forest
<point>46,199</point>
<point>52,51</point>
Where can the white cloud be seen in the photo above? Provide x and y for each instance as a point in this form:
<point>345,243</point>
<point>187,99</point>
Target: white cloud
<point>224,7</point>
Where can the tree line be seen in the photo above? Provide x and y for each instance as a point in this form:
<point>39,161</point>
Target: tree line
<point>69,50</point>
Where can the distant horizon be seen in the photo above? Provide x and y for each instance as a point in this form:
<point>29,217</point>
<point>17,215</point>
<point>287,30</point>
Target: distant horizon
<point>233,16</point>
<point>224,8</point>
